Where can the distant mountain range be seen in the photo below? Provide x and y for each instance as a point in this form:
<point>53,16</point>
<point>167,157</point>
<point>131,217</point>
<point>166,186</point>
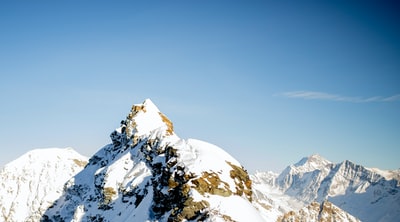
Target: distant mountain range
<point>368,194</point>
<point>148,173</point>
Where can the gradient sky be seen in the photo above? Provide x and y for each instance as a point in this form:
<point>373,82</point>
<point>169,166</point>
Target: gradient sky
<point>268,82</point>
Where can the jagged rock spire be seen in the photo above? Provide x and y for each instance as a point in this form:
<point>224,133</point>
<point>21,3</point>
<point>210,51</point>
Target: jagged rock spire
<point>142,121</point>
<point>145,118</point>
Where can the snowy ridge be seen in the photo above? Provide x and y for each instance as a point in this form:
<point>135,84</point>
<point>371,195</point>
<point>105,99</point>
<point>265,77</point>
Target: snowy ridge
<point>31,183</point>
<point>387,174</point>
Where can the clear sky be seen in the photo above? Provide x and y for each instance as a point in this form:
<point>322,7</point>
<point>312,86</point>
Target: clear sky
<point>268,82</point>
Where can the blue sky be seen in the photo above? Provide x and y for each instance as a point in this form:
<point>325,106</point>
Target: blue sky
<point>268,82</point>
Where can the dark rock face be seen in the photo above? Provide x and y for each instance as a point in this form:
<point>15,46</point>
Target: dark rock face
<point>171,190</point>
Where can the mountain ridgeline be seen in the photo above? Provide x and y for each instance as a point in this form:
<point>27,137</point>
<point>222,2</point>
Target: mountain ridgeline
<point>148,173</point>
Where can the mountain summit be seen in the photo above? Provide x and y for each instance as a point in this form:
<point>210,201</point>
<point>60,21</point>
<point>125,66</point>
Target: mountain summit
<point>145,118</point>
<point>148,173</point>
<point>314,161</point>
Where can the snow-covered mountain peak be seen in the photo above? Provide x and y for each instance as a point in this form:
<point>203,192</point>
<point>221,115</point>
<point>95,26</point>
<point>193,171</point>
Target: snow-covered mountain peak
<point>149,174</point>
<point>317,158</point>
<point>313,162</point>
<point>36,157</point>
<point>306,165</point>
<point>31,183</point>
<point>144,119</point>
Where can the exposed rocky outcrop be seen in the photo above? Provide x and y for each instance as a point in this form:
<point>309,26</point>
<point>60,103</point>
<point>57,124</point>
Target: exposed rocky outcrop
<point>316,212</point>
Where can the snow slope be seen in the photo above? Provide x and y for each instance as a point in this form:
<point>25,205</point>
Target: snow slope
<point>31,183</point>
<point>269,199</point>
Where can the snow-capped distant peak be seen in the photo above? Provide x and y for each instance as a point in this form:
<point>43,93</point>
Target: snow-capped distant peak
<point>312,162</point>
